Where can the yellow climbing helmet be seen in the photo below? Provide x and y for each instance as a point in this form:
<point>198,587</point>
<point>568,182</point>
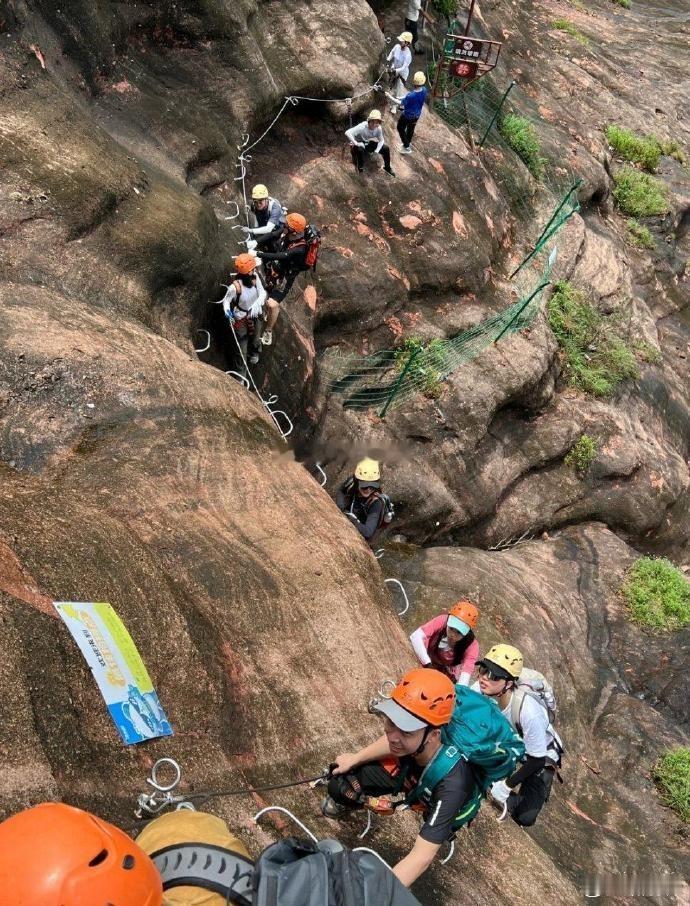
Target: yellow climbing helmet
<point>375,115</point>
<point>406,36</point>
<point>368,470</point>
<point>259,191</point>
<point>506,657</point>
<point>419,78</point>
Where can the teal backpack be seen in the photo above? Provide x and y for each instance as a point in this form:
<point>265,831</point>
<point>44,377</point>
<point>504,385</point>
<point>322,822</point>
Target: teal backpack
<point>480,734</point>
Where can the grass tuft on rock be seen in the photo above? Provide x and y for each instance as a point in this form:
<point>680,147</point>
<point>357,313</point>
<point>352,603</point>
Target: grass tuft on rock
<point>648,353</point>
<point>520,134</point>
<point>644,150</point>
<point>672,775</point>
<point>582,454</point>
<point>639,194</point>
<point>639,235</point>
<point>429,365</point>
<point>570,29</point>
<point>595,359</point>
<point>624,3</point>
<point>657,594</point>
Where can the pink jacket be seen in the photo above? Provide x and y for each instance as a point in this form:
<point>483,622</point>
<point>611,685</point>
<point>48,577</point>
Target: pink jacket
<point>421,637</point>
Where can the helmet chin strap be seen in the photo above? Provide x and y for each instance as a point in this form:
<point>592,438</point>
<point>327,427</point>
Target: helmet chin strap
<point>425,738</point>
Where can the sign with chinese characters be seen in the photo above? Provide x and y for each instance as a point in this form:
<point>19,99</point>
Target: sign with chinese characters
<point>118,670</point>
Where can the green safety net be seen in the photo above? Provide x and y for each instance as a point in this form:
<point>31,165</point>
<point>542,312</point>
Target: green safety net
<point>542,194</point>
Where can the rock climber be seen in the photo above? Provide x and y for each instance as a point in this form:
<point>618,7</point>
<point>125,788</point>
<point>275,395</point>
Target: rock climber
<point>285,265</point>
<point>270,218</point>
<point>411,107</point>
<point>414,11</point>
<point>243,305</point>
<point>399,62</point>
<point>447,642</point>
<point>53,854</point>
<point>499,671</point>
<point>421,703</point>
<point>360,498</point>
<point>367,138</point>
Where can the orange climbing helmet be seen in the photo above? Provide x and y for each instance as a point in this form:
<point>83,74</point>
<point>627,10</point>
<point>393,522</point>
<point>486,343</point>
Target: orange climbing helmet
<point>56,855</point>
<point>422,698</point>
<point>245,263</point>
<point>296,222</point>
<point>466,612</point>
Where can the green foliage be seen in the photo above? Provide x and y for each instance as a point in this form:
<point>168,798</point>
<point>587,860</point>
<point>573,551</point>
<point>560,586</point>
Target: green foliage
<point>579,6</point>
<point>648,353</point>
<point>644,150</point>
<point>429,366</point>
<point>639,194</point>
<point>522,138</point>
<point>672,774</point>
<point>657,594</point>
<point>596,360</point>
<point>447,8</point>
<point>672,149</point>
<point>624,3</point>
<point>581,454</point>
<point>567,26</point>
<point>639,235</point>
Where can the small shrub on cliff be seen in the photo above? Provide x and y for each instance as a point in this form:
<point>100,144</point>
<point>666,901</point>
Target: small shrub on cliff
<point>595,359</point>
<point>644,150</point>
<point>519,133</point>
<point>648,353</point>
<point>639,194</point>
<point>672,774</point>
<point>657,594</point>
<point>639,235</point>
<point>624,3</point>
<point>447,8</point>
<point>567,26</point>
<point>429,366</point>
<point>582,454</point>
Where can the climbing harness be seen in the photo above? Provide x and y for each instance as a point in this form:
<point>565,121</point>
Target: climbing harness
<point>163,796</point>
<point>402,589</point>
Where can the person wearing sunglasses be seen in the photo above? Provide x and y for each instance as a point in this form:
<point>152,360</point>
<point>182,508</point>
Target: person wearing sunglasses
<point>499,671</point>
<point>447,642</point>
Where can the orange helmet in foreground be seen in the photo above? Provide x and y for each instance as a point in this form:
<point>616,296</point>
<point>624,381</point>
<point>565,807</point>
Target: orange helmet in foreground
<point>466,611</point>
<point>296,222</point>
<point>422,698</point>
<point>56,855</point>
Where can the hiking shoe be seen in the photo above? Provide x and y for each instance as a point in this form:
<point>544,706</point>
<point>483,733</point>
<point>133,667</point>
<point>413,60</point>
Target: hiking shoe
<point>254,358</point>
<point>388,171</point>
<point>267,338</point>
<point>406,149</point>
<point>331,809</point>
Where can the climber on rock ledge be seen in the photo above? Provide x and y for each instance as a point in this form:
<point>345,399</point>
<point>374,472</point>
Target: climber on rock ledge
<point>367,138</point>
<point>270,219</point>
<point>360,498</point>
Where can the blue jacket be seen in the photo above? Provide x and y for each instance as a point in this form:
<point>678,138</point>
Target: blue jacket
<point>413,103</point>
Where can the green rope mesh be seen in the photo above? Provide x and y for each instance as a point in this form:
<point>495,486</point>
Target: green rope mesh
<point>542,194</point>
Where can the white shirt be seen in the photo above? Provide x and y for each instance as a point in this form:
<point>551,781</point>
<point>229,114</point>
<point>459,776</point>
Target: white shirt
<point>537,734</point>
<point>247,297</point>
<point>362,133</point>
<point>413,8</point>
<point>401,60</point>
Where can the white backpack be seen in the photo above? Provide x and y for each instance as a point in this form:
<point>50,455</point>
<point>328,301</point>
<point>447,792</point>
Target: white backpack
<point>534,684</point>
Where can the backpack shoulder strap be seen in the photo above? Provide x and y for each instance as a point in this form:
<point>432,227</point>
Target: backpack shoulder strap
<point>439,767</point>
<point>516,702</point>
<point>208,867</point>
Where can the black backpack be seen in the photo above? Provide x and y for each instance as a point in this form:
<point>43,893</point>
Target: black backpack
<point>303,873</point>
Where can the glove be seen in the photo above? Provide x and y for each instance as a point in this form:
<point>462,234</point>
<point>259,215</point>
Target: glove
<point>246,229</point>
<point>256,309</point>
<point>251,244</point>
<point>500,791</point>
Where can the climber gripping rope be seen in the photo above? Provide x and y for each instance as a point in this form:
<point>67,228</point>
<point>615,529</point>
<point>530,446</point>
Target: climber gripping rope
<point>269,214</point>
<point>447,642</point>
<point>297,251</point>
<point>527,707</point>
<point>243,305</point>
<point>399,62</point>
<point>361,499</point>
<point>443,745</point>
<point>411,107</point>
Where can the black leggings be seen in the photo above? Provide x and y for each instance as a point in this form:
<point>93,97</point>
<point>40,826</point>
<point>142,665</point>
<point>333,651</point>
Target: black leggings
<point>412,28</point>
<point>406,129</point>
<point>524,807</point>
<point>358,154</point>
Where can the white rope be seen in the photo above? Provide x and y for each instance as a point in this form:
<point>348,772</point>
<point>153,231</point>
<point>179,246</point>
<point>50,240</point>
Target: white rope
<point>365,849</point>
<point>277,808</point>
<point>325,478</point>
<point>450,854</point>
<point>367,828</point>
<point>402,589</point>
